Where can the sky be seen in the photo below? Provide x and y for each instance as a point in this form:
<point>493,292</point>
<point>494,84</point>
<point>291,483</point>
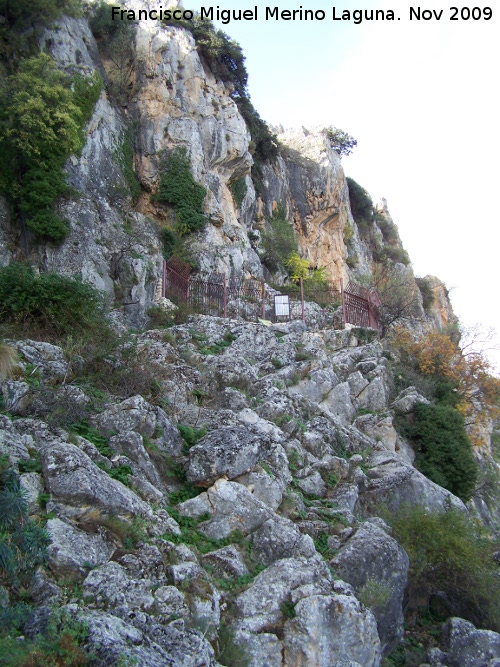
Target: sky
<point>422,99</point>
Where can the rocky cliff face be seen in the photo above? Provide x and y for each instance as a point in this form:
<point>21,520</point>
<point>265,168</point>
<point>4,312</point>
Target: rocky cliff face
<point>174,100</point>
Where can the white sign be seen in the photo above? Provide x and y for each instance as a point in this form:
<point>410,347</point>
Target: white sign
<point>282,305</point>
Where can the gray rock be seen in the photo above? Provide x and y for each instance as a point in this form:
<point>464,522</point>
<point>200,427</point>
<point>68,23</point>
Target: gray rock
<point>226,561</point>
<point>232,507</point>
<point>109,586</point>
<point>264,486</point>
<point>136,414</point>
<point>15,396</point>
<point>76,483</point>
<point>392,482</point>
<point>378,428</point>
<point>331,628</point>
<point>72,550</point>
<point>466,646</point>
<point>131,444</point>
<point>279,538</point>
<point>12,444</point>
<point>226,451</point>
<point>259,649</point>
<point>406,401</point>
<point>374,396</point>
<point>32,484</point>
<point>313,484</point>
<point>338,403</point>
<point>260,605</point>
<point>47,358</point>
<point>377,567</point>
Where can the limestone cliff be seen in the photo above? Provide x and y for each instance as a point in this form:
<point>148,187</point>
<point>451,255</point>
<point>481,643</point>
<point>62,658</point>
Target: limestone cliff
<point>173,99</point>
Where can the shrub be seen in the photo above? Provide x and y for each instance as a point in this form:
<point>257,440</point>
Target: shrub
<point>178,188</point>
<point>239,190</point>
<point>125,159</point>
<point>60,645</point>
<point>444,452</point>
<point>48,302</point>
<point>278,241</point>
<point>341,142</point>
<point>42,115</point>
<point>427,293</point>
<point>361,207</point>
<point>23,544</point>
<point>115,40</point>
<point>396,254</point>
<point>449,553</point>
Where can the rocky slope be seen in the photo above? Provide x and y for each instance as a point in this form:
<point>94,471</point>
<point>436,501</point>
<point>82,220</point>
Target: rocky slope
<point>256,537</point>
<point>275,560</point>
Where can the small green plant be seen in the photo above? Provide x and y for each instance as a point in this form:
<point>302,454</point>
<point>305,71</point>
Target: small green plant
<point>60,645</point>
<point>23,544</point>
<point>190,435</point>
<point>373,594</point>
<point>30,465</point>
<point>239,190</point>
<point>287,608</point>
<point>91,434</point>
<point>341,142</point>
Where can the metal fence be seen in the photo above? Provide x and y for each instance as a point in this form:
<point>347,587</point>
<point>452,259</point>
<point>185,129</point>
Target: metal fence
<point>251,299</point>
<point>360,306</point>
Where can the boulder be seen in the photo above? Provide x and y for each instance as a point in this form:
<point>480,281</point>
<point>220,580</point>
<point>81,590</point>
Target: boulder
<point>225,451</point>
<point>406,401</point>
<point>136,414</point>
<point>47,358</point>
<point>261,606</point>
<point>279,538</point>
<point>72,551</point>
<point>377,568</point>
<point>231,506</point>
<point>466,646</point>
<point>76,483</point>
<point>330,630</point>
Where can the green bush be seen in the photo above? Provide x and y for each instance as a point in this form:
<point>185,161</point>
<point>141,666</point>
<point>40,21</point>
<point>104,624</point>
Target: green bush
<point>49,302</point>
<point>396,254</point>
<point>60,645</point>
<point>42,116</point>
<point>444,452</point>
<point>278,241</point>
<point>23,544</point>
<point>361,207</point>
<point>427,293</point>
<point>449,553</point>
<point>178,188</point>
<point>125,159</point>
<point>239,190</point>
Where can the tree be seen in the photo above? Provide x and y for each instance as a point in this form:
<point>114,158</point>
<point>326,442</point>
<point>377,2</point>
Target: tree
<point>41,124</point>
<point>341,142</point>
<point>399,296</point>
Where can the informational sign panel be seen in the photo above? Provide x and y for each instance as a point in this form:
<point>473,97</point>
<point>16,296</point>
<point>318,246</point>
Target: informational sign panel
<point>282,305</point>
